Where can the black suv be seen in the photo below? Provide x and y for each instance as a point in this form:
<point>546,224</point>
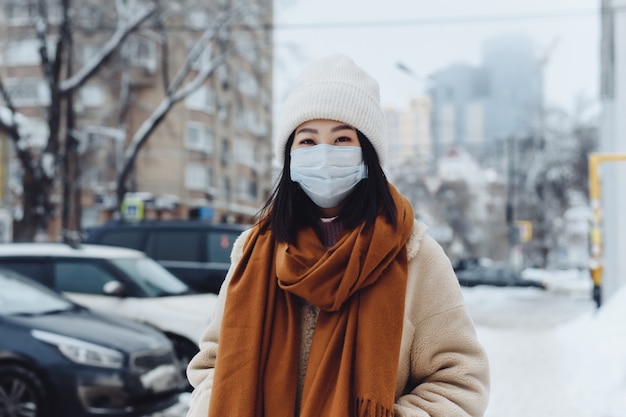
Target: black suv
<point>196,252</point>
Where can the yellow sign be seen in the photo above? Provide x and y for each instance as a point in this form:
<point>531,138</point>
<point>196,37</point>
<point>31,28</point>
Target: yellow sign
<point>132,210</point>
<point>525,230</point>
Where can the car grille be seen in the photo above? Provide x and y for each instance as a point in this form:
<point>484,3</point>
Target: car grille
<point>145,361</point>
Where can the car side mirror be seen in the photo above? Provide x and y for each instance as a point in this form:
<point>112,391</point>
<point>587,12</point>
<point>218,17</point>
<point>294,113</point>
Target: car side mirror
<point>114,288</point>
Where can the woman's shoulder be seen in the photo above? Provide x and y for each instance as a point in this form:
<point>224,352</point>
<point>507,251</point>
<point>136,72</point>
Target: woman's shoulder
<point>432,285</point>
<point>416,240</point>
<point>422,246</point>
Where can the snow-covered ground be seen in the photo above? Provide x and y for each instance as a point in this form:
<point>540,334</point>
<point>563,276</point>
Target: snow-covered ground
<point>562,358</point>
<point>552,353</point>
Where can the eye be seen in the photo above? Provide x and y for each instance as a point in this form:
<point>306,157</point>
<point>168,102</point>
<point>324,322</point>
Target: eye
<point>343,139</point>
<point>306,142</point>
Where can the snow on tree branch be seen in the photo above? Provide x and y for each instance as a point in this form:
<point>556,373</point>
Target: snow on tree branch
<point>200,46</point>
<point>176,92</point>
<point>159,113</point>
<point>129,20</point>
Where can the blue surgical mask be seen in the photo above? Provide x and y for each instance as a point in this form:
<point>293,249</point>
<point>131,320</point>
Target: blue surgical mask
<point>327,173</point>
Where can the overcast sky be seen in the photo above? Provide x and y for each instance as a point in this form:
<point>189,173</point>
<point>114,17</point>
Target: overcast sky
<point>427,36</point>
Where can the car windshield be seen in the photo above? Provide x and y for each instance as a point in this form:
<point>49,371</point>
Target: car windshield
<point>155,280</point>
<point>18,296</point>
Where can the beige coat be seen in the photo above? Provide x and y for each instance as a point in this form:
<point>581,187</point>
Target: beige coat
<point>443,370</point>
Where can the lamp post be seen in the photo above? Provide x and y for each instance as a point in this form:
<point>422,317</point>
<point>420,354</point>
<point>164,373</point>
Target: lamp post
<point>424,82</point>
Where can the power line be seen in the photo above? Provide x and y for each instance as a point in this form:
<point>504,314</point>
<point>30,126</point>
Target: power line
<point>447,20</point>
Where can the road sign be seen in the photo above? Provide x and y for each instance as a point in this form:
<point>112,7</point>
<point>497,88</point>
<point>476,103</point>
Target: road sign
<point>133,210</point>
<point>525,230</point>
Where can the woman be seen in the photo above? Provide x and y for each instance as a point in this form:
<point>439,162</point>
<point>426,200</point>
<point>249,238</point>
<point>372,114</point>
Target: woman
<point>337,302</point>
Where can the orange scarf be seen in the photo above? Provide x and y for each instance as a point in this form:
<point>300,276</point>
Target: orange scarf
<point>359,285</point>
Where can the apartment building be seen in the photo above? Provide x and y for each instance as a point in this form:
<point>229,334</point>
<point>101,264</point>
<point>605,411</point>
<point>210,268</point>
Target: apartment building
<point>209,156</point>
<point>409,132</point>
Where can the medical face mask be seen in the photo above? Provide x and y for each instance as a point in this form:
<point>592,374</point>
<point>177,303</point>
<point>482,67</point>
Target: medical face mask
<point>327,173</point>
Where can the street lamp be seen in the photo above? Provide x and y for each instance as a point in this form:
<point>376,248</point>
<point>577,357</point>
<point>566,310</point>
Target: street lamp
<point>409,71</point>
<point>402,67</point>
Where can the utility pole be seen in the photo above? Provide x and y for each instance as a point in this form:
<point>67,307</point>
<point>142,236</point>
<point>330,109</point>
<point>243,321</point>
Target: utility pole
<point>595,263</point>
<point>511,203</point>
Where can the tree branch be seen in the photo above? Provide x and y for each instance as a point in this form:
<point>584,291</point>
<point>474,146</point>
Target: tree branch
<point>200,45</point>
<point>121,33</point>
<point>6,97</point>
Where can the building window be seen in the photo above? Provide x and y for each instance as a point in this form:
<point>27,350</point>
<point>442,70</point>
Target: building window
<point>87,52</point>
<point>246,189</point>
<point>209,178</point>
<point>247,120</point>
<point>248,46</point>
<point>28,92</point>
<point>143,53</point>
<point>203,99</point>
<point>199,137</point>
<point>198,19</point>
<point>22,52</point>
<point>225,189</point>
<point>91,96</point>
<point>222,74</point>
<point>39,133</point>
<point>246,83</point>
<point>89,17</point>
<point>204,59</point>
<point>244,152</point>
<point>222,111</point>
<point>22,12</point>
<point>196,176</point>
<point>225,155</point>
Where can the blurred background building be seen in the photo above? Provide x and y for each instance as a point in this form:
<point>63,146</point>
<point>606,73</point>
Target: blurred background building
<point>209,157</point>
<point>459,93</point>
<point>409,132</point>
<point>480,108</point>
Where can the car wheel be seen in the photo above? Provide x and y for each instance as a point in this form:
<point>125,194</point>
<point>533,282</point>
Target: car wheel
<point>185,350</point>
<point>22,393</point>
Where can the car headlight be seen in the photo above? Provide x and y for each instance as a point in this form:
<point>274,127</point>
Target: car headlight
<point>82,352</point>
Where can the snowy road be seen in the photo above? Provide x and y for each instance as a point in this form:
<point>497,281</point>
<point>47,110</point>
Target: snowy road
<point>552,353</point>
<point>544,361</point>
<point>568,296</point>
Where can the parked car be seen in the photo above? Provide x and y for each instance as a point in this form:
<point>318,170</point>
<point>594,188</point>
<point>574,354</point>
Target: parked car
<point>197,252</point>
<point>120,281</point>
<point>61,359</point>
<point>494,274</point>
<point>465,263</point>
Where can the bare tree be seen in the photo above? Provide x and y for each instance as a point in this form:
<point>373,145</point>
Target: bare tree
<point>41,166</point>
<point>554,179</point>
<point>213,47</point>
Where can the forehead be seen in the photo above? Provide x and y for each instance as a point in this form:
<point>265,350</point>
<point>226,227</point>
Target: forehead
<point>323,125</point>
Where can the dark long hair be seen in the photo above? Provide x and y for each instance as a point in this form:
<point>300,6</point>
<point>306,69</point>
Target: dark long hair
<point>288,209</point>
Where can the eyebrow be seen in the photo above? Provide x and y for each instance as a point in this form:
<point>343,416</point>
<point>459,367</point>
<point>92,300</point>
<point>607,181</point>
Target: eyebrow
<point>341,127</point>
<point>334,129</point>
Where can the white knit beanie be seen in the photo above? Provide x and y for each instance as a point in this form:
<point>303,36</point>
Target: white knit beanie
<point>334,88</point>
